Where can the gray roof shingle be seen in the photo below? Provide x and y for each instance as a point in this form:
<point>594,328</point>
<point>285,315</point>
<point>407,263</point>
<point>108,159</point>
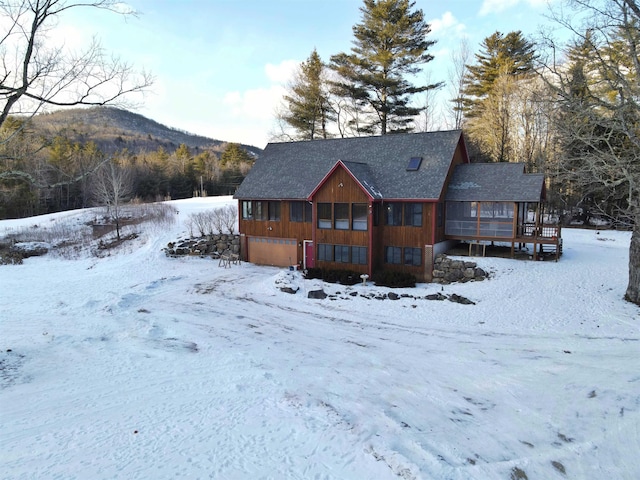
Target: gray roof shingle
<point>494,182</point>
<point>293,170</point>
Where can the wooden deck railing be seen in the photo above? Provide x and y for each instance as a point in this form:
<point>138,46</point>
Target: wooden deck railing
<point>541,231</point>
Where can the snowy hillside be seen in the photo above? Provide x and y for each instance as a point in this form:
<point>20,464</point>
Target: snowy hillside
<point>140,366</point>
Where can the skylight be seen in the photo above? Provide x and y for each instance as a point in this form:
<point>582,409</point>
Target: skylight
<point>414,164</point>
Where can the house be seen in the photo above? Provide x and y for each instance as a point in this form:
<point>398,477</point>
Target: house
<point>389,202</point>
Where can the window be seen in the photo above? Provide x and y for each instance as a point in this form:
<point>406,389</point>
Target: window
<point>413,256</point>
<point>359,216</point>
<point>274,211</point>
<point>341,214</point>
<point>414,164</point>
<point>296,211</point>
<point>359,255</point>
<point>487,210</point>
<point>325,252</point>
<point>393,214</point>
<point>261,210</point>
<point>409,214</point>
<point>474,209</point>
<point>341,254</point>
<point>324,215</point>
<point>413,214</point>
<point>376,214</point>
<point>393,255</point>
<point>300,212</point>
<point>247,211</point>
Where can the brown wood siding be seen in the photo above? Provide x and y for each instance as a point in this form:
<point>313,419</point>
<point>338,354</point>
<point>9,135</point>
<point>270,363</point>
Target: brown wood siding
<point>344,266</point>
<point>332,192</point>
<point>283,228</point>
<point>406,236</point>
<point>340,187</point>
<point>439,229</point>
<point>401,236</point>
<point>377,250</point>
<point>350,192</point>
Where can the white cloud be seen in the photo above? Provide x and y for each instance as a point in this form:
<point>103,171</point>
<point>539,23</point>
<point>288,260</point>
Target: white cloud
<point>250,113</point>
<point>255,108</point>
<point>283,72</point>
<point>248,134</point>
<point>498,6</point>
<point>259,103</point>
<point>447,23</point>
<point>539,3</point>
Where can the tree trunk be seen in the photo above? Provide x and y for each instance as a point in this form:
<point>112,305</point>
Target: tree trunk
<point>633,289</point>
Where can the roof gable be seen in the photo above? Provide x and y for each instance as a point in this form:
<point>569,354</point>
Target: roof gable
<point>294,170</point>
<point>359,172</point>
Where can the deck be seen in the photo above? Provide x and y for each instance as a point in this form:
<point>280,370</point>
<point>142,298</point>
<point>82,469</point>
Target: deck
<point>542,237</point>
<point>545,241</point>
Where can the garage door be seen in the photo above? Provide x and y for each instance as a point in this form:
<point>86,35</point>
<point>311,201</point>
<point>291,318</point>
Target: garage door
<point>280,252</point>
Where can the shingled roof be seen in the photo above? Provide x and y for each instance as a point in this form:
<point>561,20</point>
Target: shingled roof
<point>495,182</point>
<point>293,170</point>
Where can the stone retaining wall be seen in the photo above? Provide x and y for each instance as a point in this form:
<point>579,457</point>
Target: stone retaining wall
<point>447,270</point>
<point>209,245</point>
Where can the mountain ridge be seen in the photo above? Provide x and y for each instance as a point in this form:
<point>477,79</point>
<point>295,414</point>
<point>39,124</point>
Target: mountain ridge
<point>114,129</point>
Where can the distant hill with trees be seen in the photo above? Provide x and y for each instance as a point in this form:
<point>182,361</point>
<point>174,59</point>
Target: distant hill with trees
<point>52,160</point>
<point>113,129</point>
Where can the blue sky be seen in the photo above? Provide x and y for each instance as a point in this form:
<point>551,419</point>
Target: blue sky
<point>220,65</point>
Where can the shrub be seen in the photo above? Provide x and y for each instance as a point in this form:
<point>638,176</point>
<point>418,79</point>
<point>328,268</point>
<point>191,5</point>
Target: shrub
<point>225,218</point>
<point>218,220</point>
<point>343,277</point>
<point>10,258</point>
<point>313,273</point>
<point>347,277</point>
<point>387,278</point>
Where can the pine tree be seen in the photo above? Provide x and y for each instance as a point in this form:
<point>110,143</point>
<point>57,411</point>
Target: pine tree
<point>511,55</point>
<point>491,94</point>
<point>234,155</point>
<point>389,46</point>
<point>308,107</point>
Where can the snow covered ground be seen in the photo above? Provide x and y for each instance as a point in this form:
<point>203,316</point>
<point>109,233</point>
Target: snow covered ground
<point>140,366</point>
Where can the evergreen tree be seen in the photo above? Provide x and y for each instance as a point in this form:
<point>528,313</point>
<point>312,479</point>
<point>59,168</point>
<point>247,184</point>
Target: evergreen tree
<point>511,55</point>
<point>183,158</point>
<point>491,95</point>
<point>389,46</point>
<point>309,110</point>
<point>234,155</point>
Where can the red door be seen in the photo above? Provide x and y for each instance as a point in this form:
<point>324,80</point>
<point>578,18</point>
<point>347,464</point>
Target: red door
<point>309,258</point>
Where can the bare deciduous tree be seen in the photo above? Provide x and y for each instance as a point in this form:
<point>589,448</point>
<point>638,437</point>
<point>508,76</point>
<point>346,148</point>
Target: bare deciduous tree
<point>35,73</point>
<point>229,214</point>
<point>112,187</point>
<point>457,75</point>
<point>598,108</point>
